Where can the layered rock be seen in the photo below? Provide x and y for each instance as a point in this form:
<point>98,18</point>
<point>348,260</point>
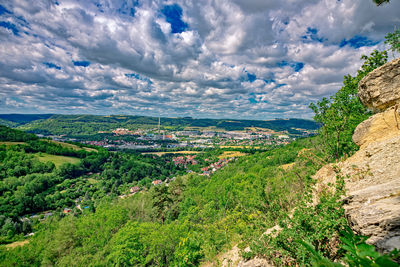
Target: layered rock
<point>372,174</point>
<point>379,126</point>
<point>372,202</point>
<point>380,89</point>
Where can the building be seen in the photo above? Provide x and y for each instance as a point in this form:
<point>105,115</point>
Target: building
<point>156,182</point>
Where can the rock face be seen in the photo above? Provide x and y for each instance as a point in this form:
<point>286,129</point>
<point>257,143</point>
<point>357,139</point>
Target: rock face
<point>372,202</point>
<point>373,192</point>
<point>380,89</point>
<point>379,126</point>
<point>232,258</point>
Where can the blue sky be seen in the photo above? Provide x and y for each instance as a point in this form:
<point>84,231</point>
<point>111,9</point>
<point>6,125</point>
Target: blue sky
<point>253,59</point>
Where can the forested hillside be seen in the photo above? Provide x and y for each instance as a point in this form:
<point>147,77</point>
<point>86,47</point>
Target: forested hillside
<point>183,224</point>
<point>38,175</point>
<point>91,124</point>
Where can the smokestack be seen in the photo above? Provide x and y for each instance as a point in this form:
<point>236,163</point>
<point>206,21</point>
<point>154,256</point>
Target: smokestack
<point>159,120</point>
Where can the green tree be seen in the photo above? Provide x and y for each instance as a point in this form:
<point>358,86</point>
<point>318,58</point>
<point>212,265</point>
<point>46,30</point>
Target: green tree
<point>393,39</point>
<point>380,2</point>
<point>161,201</point>
<point>341,113</point>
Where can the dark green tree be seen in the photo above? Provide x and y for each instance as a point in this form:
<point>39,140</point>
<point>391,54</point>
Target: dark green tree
<point>161,201</point>
<point>380,2</point>
<point>393,39</point>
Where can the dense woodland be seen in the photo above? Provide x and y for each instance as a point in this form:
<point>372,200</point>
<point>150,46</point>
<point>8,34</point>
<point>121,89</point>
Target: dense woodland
<point>77,125</point>
<point>182,224</point>
<point>30,186</point>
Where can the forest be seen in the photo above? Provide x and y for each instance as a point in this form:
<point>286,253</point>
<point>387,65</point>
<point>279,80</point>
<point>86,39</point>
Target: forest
<point>91,124</point>
<point>182,224</point>
<point>30,186</point>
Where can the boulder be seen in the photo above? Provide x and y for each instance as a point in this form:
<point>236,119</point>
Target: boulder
<point>372,202</point>
<point>380,89</point>
<point>379,126</point>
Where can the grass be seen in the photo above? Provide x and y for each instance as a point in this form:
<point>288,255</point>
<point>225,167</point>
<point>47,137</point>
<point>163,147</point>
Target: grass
<point>11,143</point>
<point>231,154</point>
<point>287,166</point>
<point>172,152</point>
<point>254,147</point>
<point>92,181</point>
<point>57,160</point>
<point>17,244</point>
<point>74,147</point>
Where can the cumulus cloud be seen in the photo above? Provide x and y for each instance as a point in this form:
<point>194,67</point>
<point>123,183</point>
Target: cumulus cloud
<point>222,59</point>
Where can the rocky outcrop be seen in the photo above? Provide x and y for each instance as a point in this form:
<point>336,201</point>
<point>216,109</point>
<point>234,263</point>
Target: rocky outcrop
<point>372,202</point>
<point>373,192</point>
<point>379,126</point>
<point>380,89</point>
<point>232,258</point>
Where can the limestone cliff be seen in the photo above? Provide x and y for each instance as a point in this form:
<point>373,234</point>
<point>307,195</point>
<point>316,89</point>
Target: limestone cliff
<point>373,173</point>
<point>380,88</point>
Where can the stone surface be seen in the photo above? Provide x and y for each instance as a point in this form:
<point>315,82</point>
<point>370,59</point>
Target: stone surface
<point>372,202</point>
<point>232,258</point>
<point>379,126</point>
<point>380,89</point>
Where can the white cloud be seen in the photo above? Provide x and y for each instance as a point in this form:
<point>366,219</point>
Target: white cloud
<point>138,66</point>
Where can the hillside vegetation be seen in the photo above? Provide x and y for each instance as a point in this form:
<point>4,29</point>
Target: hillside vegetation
<point>183,224</point>
<point>38,175</point>
<point>91,124</point>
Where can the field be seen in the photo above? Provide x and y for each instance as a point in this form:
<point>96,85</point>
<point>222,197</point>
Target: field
<point>92,181</point>
<point>231,154</point>
<point>11,143</point>
<point>287,166</point>
<point>259,129</point>
<point>74,147</point>
<point>57,160</point>
<point>172,152</point>
<point>17,244</point>
<point>208,128</point>
<point>254,147</point>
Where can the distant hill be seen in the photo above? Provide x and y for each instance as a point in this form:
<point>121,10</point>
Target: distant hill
<point>90,124</point>
<point>19,119</point>
<point>8,134</point>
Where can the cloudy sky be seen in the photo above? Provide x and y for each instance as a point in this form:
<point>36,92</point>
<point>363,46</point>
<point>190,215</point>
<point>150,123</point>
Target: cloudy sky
<point>255,59</point>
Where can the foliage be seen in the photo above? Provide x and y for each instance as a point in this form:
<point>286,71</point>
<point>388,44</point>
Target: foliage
<point>318,225</point>
<point>341,113</point>
<point>380,2</point>
<point>393,39</point>
<point>84,125</point>
<point>181,224</point>
<point>357,253</point>
<point>33,180</point>
<point>7,134</point>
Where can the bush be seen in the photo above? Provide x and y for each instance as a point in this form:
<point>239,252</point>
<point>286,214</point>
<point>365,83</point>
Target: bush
<point>341,113</point>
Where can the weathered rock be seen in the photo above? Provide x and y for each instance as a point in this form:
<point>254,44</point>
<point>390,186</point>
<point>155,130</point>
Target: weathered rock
<point>256,262</point>
<point>372,191</point>
<point>232,258</point>
<point>379,126</point>
<point>380,89</point>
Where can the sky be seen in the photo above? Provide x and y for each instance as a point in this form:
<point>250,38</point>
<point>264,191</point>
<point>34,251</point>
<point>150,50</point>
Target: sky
<point>239,59</point>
